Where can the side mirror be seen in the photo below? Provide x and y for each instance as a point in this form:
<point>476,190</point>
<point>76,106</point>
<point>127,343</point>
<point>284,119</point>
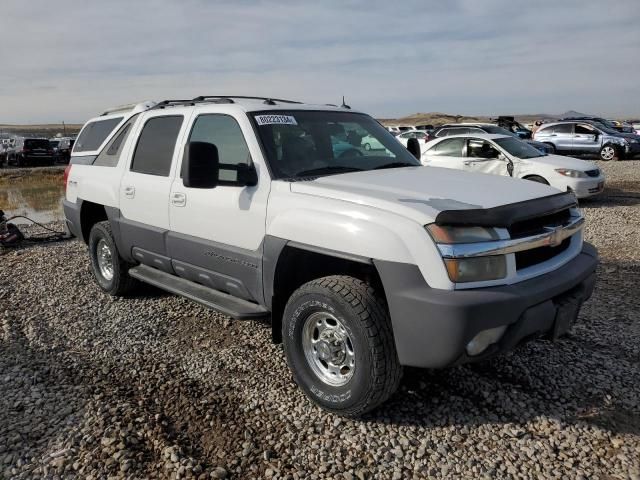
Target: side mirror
<point>501,156</point>
<point>413,145</point>
<point>200,165</point>
<point>247,175</point>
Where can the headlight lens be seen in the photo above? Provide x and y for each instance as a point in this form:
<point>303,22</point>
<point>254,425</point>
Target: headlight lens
<point>571,173</point>
<point>461,234</point>
<point>477,269</point>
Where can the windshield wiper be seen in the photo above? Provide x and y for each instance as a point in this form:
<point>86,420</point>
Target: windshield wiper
<point>327,171</point>
<point>395,165</point>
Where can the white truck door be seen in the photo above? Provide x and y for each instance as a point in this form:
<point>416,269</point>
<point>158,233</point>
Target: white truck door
<point>145,186</point>
<point>217,233</point>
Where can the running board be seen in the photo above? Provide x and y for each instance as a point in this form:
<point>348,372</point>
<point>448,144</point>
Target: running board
<point>222,302</point>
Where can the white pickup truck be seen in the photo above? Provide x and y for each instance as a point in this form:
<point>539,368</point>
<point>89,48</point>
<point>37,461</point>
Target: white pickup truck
<point>363,260</point>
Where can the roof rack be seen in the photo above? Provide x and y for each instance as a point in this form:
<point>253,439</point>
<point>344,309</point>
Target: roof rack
<point>135,107</point>
<point>267,100</point>
<point>216,99</point>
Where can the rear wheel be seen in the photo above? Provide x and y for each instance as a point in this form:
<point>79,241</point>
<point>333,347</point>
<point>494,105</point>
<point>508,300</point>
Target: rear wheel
<point>339,345</point>
<point>537,178</point>
<point>608,152</point>
<point>109,269</point>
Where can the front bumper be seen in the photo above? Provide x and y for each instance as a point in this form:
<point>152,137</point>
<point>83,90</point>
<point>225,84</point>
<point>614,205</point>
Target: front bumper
<point>586,187</point>
<point>432,327</point>
<point>632,149</point>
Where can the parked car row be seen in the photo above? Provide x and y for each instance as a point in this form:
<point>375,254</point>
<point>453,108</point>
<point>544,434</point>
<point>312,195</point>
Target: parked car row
<point>26,152</point>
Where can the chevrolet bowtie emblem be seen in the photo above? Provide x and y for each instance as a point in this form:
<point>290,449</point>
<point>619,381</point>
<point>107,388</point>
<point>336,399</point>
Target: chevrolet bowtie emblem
<point>555,237</point>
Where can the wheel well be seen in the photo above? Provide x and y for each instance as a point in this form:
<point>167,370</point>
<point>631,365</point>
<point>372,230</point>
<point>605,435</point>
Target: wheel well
<point>529,177</point>
<point>297,266</point>
<point>90,214</point>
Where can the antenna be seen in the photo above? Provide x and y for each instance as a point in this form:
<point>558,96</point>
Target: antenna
<point>344,105</point>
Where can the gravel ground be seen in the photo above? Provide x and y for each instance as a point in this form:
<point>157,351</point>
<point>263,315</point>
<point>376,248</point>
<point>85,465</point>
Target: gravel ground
<point>155,386</point>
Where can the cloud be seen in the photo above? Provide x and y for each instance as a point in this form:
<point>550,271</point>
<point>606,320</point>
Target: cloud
<point>387,58</point>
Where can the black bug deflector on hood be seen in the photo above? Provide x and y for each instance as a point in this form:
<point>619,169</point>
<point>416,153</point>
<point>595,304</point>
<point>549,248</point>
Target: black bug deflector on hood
<point>507,215</point>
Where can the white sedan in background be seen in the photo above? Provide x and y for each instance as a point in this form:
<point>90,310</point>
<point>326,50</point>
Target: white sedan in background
<point>509,156</point>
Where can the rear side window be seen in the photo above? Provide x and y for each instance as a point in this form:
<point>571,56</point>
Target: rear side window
<point>94,133</point>
<point>448,148</point>
<point>563,128</point>
<point>156,144</point>
<point>110,155</point>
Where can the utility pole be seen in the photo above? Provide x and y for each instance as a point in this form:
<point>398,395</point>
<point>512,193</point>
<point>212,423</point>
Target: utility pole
<point>64,128</point>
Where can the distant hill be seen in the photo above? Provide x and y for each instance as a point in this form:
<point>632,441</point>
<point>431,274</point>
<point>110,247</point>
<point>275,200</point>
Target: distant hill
<point>438,118</point>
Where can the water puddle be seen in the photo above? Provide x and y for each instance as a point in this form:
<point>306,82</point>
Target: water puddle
<point>37,195</point>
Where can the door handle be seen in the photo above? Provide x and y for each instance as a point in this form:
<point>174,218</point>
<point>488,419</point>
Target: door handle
<point>129,191</point>
<point>467,163</point>
<point>178,199</point>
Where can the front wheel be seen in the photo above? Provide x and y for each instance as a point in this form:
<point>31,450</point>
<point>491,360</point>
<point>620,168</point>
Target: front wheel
<point>109,269</point>
<point>339,345</point>
<point>608,152</point>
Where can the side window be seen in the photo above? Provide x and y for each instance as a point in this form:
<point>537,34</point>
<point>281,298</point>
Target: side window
<point>448,148</point>
<point>563,128</point>
<point>110,154</point>
<point>545,129</point>
<point>94,133</point>
<point>477,148</point>
<point>585,129</point>
<point>225,133</point>
<point>156,144</point>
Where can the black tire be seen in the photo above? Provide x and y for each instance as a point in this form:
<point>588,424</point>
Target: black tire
<point>552,147</point>
<point>364,315</point>
<point>537,178</point>
<point>120,283</point>
<point>608,152</point>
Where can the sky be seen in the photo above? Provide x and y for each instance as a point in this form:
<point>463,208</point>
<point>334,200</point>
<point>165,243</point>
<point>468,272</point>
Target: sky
<point>388,58</point>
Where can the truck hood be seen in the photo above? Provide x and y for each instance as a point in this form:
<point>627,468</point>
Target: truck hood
<point>420,193</point>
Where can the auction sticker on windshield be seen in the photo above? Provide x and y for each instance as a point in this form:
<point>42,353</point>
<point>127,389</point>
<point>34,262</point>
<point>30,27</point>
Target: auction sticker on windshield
<point>276,120</point>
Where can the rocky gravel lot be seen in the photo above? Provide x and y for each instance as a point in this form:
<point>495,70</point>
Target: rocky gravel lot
<point>155,386</point>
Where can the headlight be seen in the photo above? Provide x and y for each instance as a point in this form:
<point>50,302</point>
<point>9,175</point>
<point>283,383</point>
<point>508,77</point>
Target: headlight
<point>461,234</point>
<point>476,269</point>
<point>571,173</point>
<point>633,140</point>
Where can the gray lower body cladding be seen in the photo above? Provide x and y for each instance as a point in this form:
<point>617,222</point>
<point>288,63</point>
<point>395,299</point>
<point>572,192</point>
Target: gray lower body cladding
<point>432,327</point>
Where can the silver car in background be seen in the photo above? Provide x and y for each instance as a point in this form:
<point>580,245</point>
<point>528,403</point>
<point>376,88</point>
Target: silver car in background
<point>585,137</point>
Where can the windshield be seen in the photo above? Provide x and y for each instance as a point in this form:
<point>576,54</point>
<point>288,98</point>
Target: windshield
<point>605,128</point>
<point>518,148</point>
<point>300,143</point>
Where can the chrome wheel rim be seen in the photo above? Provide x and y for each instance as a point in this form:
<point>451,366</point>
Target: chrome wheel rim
<point>328,349</point>
<point>608,153</point>
<point>105,259</point>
